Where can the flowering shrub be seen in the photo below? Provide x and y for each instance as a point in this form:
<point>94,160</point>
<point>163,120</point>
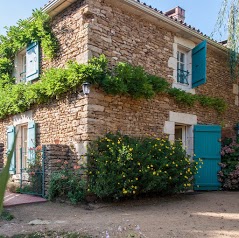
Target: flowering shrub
<point>67,183</point>
<point>229,174</point>
<point>122,166</point>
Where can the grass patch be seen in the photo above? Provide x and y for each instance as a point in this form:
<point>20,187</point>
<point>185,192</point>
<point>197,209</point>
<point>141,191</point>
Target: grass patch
<point>6,216</point>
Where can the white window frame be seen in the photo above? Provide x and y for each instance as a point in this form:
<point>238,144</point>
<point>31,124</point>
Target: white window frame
<point>184,134</point>
<point>20,67</point>
<point>185,46</point>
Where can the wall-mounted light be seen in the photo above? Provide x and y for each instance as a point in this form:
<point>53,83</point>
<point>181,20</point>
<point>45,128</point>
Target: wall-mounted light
<point>86,88</point>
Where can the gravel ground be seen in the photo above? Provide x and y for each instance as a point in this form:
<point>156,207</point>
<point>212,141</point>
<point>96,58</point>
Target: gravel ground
<point>206,214</point>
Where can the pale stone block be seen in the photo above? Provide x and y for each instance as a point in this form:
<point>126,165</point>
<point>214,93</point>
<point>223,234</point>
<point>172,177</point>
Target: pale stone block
<point>171,138</point>
<point>83,58</point>
<point>235,89</point>
<point>172,62</point>
<point>183,118</point>
<point>236,101</point>
<point>169,127</point>
<point>184,42</point>
<point>81,147</point>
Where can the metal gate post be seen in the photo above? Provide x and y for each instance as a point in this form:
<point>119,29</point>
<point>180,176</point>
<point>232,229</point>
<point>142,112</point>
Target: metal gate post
<point>21,169</point>
<point>43,169</point>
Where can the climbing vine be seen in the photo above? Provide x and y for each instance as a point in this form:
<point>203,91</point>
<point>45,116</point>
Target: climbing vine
<point>17,37</point>
<point>123,79</point>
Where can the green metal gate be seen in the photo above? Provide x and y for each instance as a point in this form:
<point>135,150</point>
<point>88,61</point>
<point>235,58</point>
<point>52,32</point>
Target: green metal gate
<point>32,171</point>
<point>207,147</point>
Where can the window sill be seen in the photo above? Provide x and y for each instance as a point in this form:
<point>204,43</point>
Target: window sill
<point>184,87</point>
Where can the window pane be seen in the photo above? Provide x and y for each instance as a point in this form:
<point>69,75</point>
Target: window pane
<point>178,134</point>
<point>182,57</point>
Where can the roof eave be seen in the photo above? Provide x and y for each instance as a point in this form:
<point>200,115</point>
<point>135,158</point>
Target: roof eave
<point>56,6</point>
<point>174,23</point>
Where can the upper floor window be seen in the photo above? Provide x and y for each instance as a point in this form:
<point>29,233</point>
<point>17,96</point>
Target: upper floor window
<point>182,69</point>
<point>27,64</point>
<point>189,64</point>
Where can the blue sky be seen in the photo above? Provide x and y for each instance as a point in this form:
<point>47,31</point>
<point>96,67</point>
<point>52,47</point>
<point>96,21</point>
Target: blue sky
<point>201,14</point>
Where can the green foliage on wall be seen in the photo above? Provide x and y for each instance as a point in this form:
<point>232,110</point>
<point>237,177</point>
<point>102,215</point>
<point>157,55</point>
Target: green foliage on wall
<point>17,37</point>
<point>124,79</point>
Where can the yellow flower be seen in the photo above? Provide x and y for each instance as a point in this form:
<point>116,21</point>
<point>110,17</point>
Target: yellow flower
<point>133,192</point>
<point>154,173</point>
<point>170,177</point>
<point>138,163</point>
<point>136,178</point>
<point>123,176</point>
<point>166,165</point>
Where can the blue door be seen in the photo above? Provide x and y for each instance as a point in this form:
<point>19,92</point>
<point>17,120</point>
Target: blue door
<point>207,147</point>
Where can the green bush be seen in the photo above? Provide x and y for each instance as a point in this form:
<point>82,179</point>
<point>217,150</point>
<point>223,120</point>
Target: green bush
<point>120,166</point>
<point>229,174</point>
<point>67,184</point>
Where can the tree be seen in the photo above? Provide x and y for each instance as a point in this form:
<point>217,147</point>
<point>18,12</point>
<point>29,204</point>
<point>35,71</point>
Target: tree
<point>228,20</point>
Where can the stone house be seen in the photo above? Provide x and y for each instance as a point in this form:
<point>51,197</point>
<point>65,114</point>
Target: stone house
<point>131,31</point>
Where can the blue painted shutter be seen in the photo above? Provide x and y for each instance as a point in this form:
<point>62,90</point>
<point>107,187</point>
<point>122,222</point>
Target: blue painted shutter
<point>31,140</point>
<point>207,147</point>
<point>32,61</point>
<point>199,64</point>
<point>10,140</point>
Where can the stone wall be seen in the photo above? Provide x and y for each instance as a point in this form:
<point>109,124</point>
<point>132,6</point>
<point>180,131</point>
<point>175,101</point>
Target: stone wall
<point>139,117</point>
<point>63,119</point>
<point>71,30</point>
<point>1,155</point>
<point>89,28</point>
<point>122,34</point>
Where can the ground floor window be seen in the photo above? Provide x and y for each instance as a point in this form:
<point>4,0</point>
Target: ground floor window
<point>25,143</point>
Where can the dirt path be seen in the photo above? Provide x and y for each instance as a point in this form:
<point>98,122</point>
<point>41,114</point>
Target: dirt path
<point>211,214</point>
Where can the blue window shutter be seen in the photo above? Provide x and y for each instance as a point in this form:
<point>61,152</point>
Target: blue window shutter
<point>199,64</point>
<point>32,62</point>
<point>31,140</point>
<point>10,140</point>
